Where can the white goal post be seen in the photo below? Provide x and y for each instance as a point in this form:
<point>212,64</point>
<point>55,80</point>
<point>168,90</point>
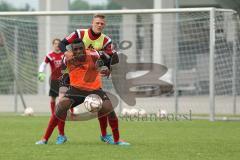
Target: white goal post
<point>199,46</point>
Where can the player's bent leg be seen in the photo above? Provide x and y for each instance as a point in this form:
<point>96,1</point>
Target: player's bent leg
<point>61,124</point>
<point>51,125</point>
<point>113,121</point>
<point>63,106</point>
<point>106,108</point>
<point>61,112</point>
<point>52,104</point>
<point>103,117</point>
<point>103,125</point>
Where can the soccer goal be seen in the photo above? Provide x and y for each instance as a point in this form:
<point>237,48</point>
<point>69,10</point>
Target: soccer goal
<point>178,60</point>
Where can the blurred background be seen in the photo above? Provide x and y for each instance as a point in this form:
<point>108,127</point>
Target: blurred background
<point>179,41</point>
<point>37,5</point>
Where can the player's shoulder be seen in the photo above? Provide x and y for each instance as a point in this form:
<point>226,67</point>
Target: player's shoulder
<point>81,32</point>
<point>106,37</point>
<point>50,55</point>
<point>107,40</point>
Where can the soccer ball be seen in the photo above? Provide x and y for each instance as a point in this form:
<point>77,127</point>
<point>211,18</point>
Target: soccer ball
<point>162,114</point>
<point>133,112</point>
<point>28,111</point>
<point>125,111</point>
<point>142,113</point>
<point>93,103</point>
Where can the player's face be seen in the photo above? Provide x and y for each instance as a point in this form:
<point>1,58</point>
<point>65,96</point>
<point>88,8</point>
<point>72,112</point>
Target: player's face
<point>56,46</point>
<point>78,49</point>
<point>98,25</point>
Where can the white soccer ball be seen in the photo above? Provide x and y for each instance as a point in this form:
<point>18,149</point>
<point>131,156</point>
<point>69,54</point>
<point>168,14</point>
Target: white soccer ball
<point>162,113</point>
<point>125,111</point>
<point>142,113</point>
<point>133,112</point>
<point>93,103</point>
<point>28,111</point>
<point>224,118</point>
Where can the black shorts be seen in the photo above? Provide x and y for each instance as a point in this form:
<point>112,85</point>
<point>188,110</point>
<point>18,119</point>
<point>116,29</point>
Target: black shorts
<point>78,96</point>
<point>54,88</point>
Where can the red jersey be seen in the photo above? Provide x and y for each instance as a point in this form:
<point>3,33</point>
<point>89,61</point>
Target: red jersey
<point>79,33</point>
<point>84,74</point>
<point>55,60</point>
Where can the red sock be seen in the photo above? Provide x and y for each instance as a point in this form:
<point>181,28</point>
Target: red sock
<point>103,125</point>
<point>113,121</point>
<point>51,125</point>
<point>61,125</point>
<point>52,104</point>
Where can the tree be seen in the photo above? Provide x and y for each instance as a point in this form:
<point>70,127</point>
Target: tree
<point>84,5</point>
<point>5,6</point>
<point>79,5</point>
<point>113,5</point>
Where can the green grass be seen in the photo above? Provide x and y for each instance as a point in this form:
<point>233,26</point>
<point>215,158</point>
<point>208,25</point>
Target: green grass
<point>161,140</point>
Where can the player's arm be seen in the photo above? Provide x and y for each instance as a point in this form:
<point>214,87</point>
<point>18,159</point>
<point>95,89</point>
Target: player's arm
<point>108,58</point>
<point>41,69</point>
<point>68,40</point>
<point>113,55</point>
<point>65,80</point>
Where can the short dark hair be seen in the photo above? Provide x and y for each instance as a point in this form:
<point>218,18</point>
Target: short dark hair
<point>76,41</point>
<point>99,15</point>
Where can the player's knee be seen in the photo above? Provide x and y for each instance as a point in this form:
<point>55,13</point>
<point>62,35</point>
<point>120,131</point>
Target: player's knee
<point>65,101</point>
<point>63,105</point>
<point>107,106</point>
<point>62,91</point>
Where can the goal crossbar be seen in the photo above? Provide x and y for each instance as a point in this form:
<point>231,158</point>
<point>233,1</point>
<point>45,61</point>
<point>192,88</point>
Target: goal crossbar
<point>134,11</point>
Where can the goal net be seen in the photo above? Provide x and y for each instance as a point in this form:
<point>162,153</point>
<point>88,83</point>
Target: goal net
<point>183,61</point>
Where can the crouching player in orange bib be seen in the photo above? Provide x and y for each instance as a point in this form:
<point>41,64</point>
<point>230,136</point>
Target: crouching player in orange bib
<point>85,79</point>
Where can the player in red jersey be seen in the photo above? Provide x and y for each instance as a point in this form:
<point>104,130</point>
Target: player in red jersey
<point>93,38</point>
<point>81,62</point>
<point>54,59</point>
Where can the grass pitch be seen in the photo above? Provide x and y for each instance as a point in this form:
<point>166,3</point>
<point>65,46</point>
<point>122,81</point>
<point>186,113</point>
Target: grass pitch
<point>160,140</point>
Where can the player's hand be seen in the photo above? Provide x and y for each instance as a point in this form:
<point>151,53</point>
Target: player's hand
<point>105,72</point>
<point>41,76</point>
<point>69,55</point>
<point>99,63</point>
<point>104,55</point>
